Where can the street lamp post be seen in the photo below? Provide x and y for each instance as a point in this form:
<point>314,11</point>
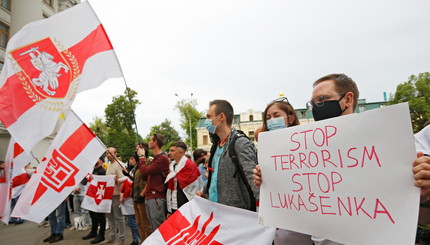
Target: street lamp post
<point>189,120</point>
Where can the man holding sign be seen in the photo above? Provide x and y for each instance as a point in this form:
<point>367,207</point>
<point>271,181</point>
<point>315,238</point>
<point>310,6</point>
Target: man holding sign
<point>335,95</point>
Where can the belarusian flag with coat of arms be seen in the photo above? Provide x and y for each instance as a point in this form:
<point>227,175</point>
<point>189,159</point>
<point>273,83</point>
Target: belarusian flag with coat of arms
<point>204,222</point>
<point>47,63</point>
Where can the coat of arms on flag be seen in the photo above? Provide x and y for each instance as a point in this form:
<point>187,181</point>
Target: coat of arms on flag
<point>46,72</point>
<point>99,194</point>
<point>204,222</point>
<point>47,63</point>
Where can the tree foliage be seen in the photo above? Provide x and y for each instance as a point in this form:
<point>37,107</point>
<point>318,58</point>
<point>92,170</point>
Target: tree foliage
<point>416,91</point>
<point>189,115</point>
<point>120,123</point>
<point>168,131</point>
<point>100,128</point>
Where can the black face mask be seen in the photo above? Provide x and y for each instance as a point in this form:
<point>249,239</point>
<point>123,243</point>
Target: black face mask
<point>330,109</point>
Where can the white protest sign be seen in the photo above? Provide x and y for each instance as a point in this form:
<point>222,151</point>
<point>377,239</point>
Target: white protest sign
<point>348,179</point>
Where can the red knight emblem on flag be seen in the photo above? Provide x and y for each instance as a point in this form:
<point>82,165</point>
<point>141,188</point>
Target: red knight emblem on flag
<point>46,72</point>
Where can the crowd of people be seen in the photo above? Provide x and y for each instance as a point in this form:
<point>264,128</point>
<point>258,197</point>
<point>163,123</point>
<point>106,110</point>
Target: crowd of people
<point>148,190</point>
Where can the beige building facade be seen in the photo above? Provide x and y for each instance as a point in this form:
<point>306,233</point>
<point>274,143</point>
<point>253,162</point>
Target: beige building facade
<point>247,121</point>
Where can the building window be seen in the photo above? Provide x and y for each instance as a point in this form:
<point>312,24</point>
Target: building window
<point>251,135</point>
<point>1,64</point>
<point>361,108</point>
<point>251,118</point>
<point>205,140</point>
<point>49,2</point>
<point>303,113</point>
<point>4,35</point>
<point>5,4</point>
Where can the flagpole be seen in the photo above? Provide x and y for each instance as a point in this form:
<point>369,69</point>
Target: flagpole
<point>72,111</point>
<point>120,68</point>
<point>131,105</point>
<point>117,161</point>
<point>34,157</point>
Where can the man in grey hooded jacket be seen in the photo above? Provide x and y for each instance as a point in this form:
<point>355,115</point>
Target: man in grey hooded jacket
<point>225,183</point>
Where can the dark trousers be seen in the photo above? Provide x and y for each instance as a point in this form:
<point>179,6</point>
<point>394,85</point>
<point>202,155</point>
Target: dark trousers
<point>98,219</point>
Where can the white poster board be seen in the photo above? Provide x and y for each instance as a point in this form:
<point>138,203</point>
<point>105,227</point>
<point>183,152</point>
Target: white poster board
<point>348,179</point>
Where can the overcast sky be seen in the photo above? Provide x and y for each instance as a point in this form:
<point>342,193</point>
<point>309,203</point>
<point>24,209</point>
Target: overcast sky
<point>249,51</point>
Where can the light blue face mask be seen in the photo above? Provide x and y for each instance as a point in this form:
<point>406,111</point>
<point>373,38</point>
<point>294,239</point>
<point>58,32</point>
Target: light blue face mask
<point>276,123</point>
<point>208,124</point>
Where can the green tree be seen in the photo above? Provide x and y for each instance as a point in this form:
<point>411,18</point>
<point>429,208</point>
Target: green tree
<point>190,116</point>
<point>416,91</point>
<point>168,131</point>
<point>99,127</point>
<point>120,122</point>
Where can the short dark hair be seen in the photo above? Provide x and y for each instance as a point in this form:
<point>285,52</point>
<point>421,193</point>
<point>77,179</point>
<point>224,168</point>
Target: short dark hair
<point>159,138</point>
<point>223,106</point>
<point>179,144</point>
<point>343,85</point>
<point>198,153</point>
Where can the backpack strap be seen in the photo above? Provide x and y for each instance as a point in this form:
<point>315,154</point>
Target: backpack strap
<point>214,140</point>
<point>238,167</point>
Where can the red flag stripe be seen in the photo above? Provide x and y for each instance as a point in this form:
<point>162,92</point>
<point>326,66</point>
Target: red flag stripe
<point>20,180</point>
<point>12,107</point>
<point>77,142</point>
<point>97,41</point>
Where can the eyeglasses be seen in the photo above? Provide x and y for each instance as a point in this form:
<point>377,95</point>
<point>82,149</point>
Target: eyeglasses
<point>282,99</point>
<point>319,101</point>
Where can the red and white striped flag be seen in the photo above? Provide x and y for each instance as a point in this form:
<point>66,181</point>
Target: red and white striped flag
<point>47,63</point>
<point>99,194</point>
<point>204,222</point>
<point>72,155</point>
<point>186,175</point>
<point>15,177</point>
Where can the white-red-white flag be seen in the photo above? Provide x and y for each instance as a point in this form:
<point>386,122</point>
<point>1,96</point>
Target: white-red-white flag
<point>47,63</point>
<point>13,178</point>
<point>204,222</point>
<point>72,155</point>
<point>184,174</point>
<point>99,194</point>
<point>20,176</point>
<point>422,140</point>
